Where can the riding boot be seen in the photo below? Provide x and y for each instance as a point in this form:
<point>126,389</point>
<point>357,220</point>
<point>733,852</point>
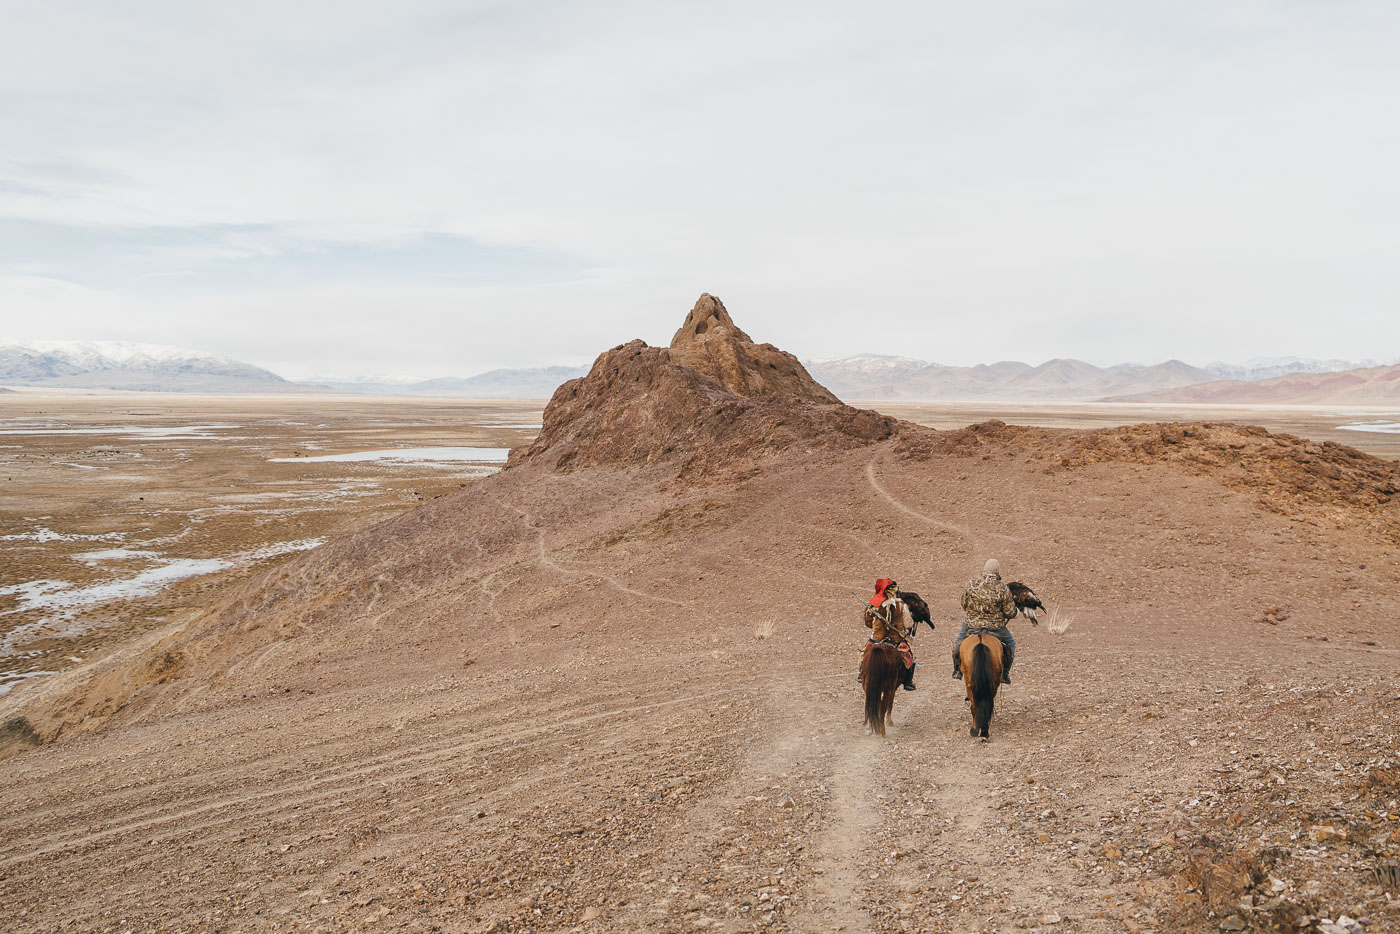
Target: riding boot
<point>909,678</point>
<point>957,668</point>
<point>1006,671</point>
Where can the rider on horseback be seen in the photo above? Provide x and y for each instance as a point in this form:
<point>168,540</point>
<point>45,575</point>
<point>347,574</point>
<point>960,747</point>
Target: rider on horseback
<point>889,620</point>
<point>989,605</point>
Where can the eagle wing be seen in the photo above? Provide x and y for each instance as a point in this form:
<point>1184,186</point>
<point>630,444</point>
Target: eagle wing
<point>1026,600</point>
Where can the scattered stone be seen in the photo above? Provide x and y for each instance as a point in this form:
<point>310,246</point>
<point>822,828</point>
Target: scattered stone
<point>1326,834</point>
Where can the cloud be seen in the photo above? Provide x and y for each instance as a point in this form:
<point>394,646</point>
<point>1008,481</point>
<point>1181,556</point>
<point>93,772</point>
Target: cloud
<point>1082,179</point>
<point>152,261</point>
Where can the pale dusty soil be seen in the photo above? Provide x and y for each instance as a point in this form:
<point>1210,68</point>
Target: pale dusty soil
<point>539,703</point>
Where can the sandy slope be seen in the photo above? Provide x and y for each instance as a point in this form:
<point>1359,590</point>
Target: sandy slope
<point>540,703</point>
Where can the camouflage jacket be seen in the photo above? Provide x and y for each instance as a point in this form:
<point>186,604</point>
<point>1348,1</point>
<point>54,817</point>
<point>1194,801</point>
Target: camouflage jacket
<point>890,621</point>
<point>987,602</point>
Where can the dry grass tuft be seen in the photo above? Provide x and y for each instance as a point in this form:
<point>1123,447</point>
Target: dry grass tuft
<point>765,629</point>
<point>1058,622</point>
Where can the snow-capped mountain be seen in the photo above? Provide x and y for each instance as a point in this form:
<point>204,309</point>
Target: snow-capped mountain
<point>131,366</point>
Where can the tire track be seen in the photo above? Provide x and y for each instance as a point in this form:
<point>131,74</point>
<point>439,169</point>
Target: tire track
<point>975,542</point>
<point>546,561</point>
<point>291,795</point>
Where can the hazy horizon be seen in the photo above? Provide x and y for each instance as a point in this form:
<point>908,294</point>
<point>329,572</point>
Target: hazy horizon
<point>123,348</point>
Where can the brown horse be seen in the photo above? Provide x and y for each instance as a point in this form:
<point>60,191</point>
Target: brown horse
<point>980,654</point>
<point>881,669</point>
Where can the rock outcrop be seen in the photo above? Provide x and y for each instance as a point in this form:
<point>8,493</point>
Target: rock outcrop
<point>713,398</point>
<point>712,345</point>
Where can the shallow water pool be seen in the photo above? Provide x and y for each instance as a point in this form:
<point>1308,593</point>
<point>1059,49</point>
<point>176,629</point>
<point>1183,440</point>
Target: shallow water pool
<point>1389,428</point>
<point>425,455</point>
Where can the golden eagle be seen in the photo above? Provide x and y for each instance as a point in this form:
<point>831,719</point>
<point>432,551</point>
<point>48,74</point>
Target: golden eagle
<point>918,609</point>
<point>1026,601</point>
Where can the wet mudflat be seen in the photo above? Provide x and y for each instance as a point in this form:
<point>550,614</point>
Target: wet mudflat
<point>123,513</point>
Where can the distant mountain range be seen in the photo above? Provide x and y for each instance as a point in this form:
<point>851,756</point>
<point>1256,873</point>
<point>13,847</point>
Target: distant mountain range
<point>135,367</point>
<point>874,377</point>
<point>536,383</point>
<point>1366,386</point>
<point>864,377</point>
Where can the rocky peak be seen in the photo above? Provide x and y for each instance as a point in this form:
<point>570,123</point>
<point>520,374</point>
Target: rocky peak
<point>711,399</point>
<point>709,320</point>
<point>711,344</point>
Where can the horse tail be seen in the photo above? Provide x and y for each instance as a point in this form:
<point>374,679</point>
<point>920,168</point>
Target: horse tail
<point>880,679</point>
<point>984,686</point>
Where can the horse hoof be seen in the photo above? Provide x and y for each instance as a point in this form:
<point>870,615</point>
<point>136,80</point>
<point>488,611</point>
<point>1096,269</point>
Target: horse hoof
<point>972,732</point>
<point>984,739</point>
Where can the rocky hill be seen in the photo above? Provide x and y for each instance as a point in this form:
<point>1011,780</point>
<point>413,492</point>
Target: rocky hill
<point>713,397</point>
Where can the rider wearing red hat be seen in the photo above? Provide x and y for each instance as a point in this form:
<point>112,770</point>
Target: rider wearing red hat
<point>887,617</point>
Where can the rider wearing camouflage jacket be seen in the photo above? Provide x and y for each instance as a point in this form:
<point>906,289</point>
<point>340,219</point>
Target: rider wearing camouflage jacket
<point>988,604</point>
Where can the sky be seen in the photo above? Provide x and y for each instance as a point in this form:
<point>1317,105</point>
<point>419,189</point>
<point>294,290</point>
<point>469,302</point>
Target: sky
<point>431,188</point>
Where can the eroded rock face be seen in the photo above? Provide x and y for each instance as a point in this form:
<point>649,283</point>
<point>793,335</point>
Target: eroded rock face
<point>711,344</point>
<point>712,398</point>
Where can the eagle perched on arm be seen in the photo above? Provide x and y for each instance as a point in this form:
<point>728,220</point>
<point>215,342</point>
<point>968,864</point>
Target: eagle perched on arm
<point>1026,601</point>
<point>918,609</point>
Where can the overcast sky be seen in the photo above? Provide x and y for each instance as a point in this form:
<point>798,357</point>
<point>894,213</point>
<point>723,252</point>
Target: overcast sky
<point>441,188</point>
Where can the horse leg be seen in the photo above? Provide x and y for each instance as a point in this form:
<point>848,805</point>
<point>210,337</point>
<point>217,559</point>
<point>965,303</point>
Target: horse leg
<point>965,663</point>
<point>889,688</point>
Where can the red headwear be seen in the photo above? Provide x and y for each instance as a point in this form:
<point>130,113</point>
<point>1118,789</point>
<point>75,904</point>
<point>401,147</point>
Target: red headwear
<point>881,586</point>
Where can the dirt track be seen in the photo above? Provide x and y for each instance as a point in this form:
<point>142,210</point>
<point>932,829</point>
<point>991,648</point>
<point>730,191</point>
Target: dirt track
<point>541,704</point>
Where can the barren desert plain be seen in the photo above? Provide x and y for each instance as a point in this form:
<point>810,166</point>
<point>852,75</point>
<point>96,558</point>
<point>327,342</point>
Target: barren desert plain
<point>611,687</point>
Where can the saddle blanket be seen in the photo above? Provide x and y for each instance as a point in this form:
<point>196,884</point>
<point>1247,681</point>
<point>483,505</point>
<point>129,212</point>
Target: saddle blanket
<point>905,652</point>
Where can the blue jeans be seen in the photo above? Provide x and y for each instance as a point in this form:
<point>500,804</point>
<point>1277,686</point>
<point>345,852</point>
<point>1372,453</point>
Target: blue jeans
<point>1004,634</point>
